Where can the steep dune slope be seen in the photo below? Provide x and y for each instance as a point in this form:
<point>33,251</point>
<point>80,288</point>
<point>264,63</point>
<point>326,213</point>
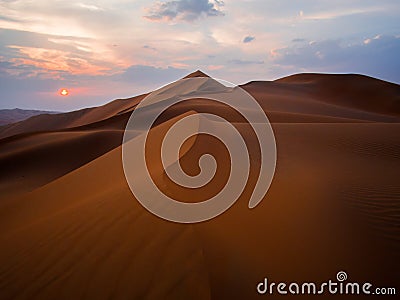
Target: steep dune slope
<point>87,237</point>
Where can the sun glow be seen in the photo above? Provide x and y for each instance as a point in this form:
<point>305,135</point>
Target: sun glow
<point>64,92</point>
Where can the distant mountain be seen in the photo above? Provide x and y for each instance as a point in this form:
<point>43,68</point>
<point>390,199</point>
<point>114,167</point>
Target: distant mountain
<point>9,116</point>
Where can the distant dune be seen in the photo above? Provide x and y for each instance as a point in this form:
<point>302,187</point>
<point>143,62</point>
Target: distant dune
<point>71,229</point>
<point>8,116</point>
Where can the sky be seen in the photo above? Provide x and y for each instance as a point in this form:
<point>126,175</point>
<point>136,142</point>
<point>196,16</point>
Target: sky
<point>104,50</point>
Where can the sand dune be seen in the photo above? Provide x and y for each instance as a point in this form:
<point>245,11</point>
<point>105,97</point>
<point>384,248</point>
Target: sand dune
<point>348,96</point>
<point>9,116</point>
<point>346,90</point>
<point>73,119</point>
<point>71,229</point>
<point>43,157</point>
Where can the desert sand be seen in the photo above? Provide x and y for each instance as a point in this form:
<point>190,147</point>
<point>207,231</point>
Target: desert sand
<point>9,116</point>
<point>70,228</point>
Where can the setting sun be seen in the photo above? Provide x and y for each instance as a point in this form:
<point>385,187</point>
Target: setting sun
<point>64,92</point>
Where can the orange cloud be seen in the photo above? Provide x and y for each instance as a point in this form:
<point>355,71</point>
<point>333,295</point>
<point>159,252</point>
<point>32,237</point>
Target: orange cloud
<point>56,60</point>
<point>215,67</point>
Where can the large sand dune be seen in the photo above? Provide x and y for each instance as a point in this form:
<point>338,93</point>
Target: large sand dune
<point>71,229</point>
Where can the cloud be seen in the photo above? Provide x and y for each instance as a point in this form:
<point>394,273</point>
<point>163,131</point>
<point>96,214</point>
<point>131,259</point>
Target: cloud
<point>54,61</point>
<point>62,18</point>
<point>215,67</point>
<point>377,56</point>
<point>298,40</point>
<point>90,7</point>
<point>248,39</point>
<point>150,48</point>
<point>185,10</point>
<point>32,54</point>
<point>347,12</point>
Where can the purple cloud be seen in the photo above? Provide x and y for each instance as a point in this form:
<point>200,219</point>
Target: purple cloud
<point>186,10</point>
